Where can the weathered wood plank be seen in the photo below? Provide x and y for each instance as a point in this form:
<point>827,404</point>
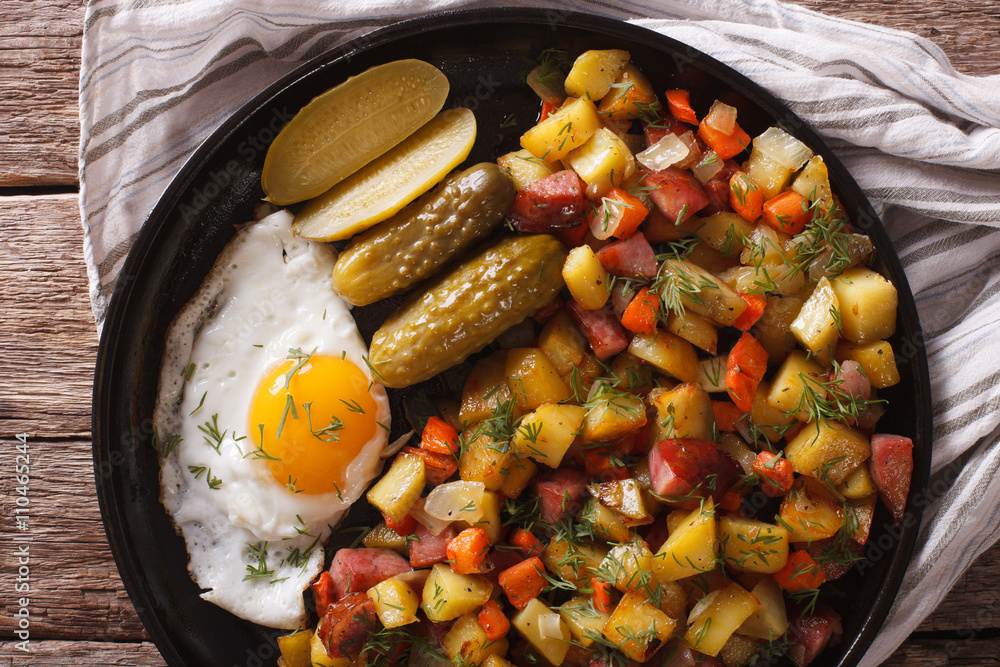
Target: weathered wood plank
<point>39,76</point>
<point>76,592</point>
<point>966,30</point>
<point>80,654</point>
<point>974,602</point>
<point>49,338</point>
<point>959,652</point>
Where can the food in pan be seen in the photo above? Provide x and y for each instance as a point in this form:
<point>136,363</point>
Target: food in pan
<point>268,423</point>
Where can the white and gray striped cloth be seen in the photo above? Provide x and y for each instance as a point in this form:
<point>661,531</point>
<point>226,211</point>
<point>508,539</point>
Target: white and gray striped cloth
<point>922,140</point>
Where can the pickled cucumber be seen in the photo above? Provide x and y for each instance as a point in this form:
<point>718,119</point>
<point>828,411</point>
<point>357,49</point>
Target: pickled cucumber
<point>463,311</point>
<point>350,125</point>
<point>385,185</point>
<point>408,247</point>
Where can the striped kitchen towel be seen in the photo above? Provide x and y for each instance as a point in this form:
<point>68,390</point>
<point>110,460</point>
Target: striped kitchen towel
<point>922,140</point>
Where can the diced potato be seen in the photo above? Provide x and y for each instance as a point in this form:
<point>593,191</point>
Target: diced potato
<point>568,128</point>
<point>767,420</point>
<point>683,412</point>
<point>524,168</point>
<point>864,512</point>
<point>448,595</point>
<point>710,627</point>
<point>690,549</point>
<point>702,292</point>
<point>395,603</point>
<point>527,622</point>
<point>695,329</point>
<point>634,375</point>
<point>296,647</point>
<point>485,389</point>
<point>612,415</point>
<point>753,546</point>
<point>638,628</point>
<point>582,619</point>
<point>770,176</point>
<point>318,657</point>
<point>816,326</point>
<point>624,496</point>
<point>775,267</point>
<point>594,71</point>
<point>877,360</point>
<point>673,599</point>
<point>574,562</point>
<point>586,278</point>
<point>397,491</point>
<point>828,451</point>
<point>629,565</point>
<point>562,343</point>
<point>520,472</point>
<point>466,642</point>
<point>867,305</point>
<point>496,661</point>
<point>725,232</point>
<point>809,512</point>
<point>603,162</point>
<point>771,620</point>
<point>772,329</point>
<point>712,374</point>
<point>604,522</point>
<point>547,433</point>
<point>628,96</point>
<point>490,521</point>
<point>669,353</point>
<point>486,460</point>
<point>813,183</point>
<point>858,483</point>
<point>533,380</point>
<point>384,537</point>
<point>798,379</point>
<point>711,260</point>
<point>583,376</point>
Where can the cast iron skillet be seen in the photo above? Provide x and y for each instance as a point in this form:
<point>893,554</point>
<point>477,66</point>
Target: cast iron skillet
<point>484,53</point>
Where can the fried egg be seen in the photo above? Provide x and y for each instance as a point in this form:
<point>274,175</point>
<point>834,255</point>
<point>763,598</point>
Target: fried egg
<point>268,422</point>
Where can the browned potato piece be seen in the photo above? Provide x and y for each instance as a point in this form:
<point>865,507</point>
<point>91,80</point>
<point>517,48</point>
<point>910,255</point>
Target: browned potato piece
<point>533,379</point>
<point>562,343</point>
<point>485,389</point>
<point>683,412</point>
<point>695,329</point>
<point>828,451</point>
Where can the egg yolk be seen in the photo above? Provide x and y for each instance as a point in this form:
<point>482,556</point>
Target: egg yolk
<point>316,420</point>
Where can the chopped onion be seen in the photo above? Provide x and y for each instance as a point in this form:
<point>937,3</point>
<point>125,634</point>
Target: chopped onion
<point>694,150</point>
<point>549,626</point>
<point>396,445</point>
<point>666,152</point>
<point>433,524</point>
<point>710,165</point>
<point>456,500</point>
<point>783,148</point>
<point>548,82</point>
<point>721,118</point>
<point>703,604</point>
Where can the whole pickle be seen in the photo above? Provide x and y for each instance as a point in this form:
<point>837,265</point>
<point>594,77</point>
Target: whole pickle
<point>410,246</point>
<point>462,312</point>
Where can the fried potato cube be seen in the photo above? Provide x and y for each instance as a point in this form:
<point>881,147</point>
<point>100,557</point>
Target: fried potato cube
<point>695,329</point>
<point>395,603</point>
<point>613,415</point>
<point>568,128</point>
<point>582,619</point>
<point>638,628</point>
<point>295,648</point>
<point>628,95</point>
<point>683,412</point>
<point>867,305</point>
<point>690,549</point>
<point>817,324</point>
<point>594,71</point>
<point>877,360</point>
<point>448,595</point>
<point>586,278</point>
<point>828,451</point>
<point>710,629</point>
<point>562,343</point>
<point>669,353</point>
<point>604,162</point>
<point>466,642</point>
<point>753,546</point>
<point>533,621</point>
<point>798,378</point>
<point>547,433</point>
<point>771,620</point>
<point>524,168</point>
<point>809,512</point>
<point>485,389</point>
<point>397,491</point>
<point>533,380</point>
<point>486,460</point>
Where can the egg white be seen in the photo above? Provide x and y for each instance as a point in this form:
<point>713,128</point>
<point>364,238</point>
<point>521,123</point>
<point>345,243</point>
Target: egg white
<point>268,293</point>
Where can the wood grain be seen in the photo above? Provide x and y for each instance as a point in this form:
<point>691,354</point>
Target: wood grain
<point>48,331</point>
<point>39,75</point>
<point>80,654</point>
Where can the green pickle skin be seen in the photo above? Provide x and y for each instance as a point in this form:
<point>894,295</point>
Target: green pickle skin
<point>395,255</point>
<point>464,311</point>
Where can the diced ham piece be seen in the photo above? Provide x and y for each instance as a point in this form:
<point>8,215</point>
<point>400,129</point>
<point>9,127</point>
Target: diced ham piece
<point>837,568</point>
<point>560,493</point>
<point>428,548</point>
<point>851,380</point>
<point>557,201</point>
<point>357,570</point>
<point>718,189</point>
<point>604,331</point>
<point>630,258</point>
<point>814,632</point>
<point>688,467</point>
<point>677,192</point>
<point>891,466</point>
<point>347,624</point>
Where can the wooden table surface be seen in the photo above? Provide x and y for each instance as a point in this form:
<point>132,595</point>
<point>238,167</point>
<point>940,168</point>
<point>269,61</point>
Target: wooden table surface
<point>80,613</point>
